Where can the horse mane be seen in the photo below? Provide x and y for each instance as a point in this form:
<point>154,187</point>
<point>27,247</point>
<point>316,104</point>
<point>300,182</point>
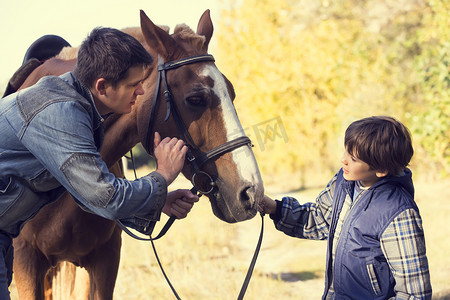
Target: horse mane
<point>68,53</point>
<point>136,33</point>
<point>182,31</point>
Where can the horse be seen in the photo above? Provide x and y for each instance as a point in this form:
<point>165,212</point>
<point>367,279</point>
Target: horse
<point>200,110</point>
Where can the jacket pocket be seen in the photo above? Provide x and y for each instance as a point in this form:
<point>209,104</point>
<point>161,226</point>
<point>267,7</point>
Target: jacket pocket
<point>9,193</point>
<point>17,204</point>
<point>373,279</point>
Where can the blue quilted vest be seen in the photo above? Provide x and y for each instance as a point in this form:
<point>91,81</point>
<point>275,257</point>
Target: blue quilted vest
<point>360,269</point>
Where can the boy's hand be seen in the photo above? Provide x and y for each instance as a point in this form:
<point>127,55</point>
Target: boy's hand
<point>267,205</point>
<point>169,154</point>
<point>179,203</point>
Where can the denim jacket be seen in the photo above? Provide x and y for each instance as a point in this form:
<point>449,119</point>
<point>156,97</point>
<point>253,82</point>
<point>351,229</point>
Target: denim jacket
<point>51,134</point>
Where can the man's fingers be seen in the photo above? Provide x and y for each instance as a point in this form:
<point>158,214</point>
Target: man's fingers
<point>184,150</point>
<point>156,140</point>
<point>184,204</point>
<point>180,144</point>
<point>181,208</point>
<point>191,199</point>
<point>185,194</point>
<point>175,143</point>
<point>167,141</point>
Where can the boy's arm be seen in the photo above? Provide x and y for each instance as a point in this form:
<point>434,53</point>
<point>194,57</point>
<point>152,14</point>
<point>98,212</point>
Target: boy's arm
<point>403,244</point>
<point>309,220</point>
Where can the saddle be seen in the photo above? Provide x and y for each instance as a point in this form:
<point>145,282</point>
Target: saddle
<point>42,49</point>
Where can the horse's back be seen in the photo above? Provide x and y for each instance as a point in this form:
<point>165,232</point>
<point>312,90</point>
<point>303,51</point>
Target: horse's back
<point>53,66</point>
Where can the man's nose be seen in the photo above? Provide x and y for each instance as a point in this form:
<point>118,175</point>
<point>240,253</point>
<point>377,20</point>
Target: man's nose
<point>140,90</point>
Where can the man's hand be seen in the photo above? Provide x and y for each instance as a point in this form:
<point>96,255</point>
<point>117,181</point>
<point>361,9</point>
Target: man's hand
<point>169,154</point>
<point>179,203</point>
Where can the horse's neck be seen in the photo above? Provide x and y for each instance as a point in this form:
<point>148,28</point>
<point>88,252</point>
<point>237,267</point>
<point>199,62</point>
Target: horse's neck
<point>120,137</point>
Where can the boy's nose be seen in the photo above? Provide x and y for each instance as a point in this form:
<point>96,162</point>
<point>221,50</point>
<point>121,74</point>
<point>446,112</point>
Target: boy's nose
<point>344,159</point>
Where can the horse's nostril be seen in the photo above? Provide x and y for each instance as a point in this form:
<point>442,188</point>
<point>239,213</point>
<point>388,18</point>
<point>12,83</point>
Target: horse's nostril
<point>245,194</point>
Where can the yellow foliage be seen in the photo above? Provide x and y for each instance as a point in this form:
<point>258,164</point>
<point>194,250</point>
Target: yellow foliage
<point>303,71</point>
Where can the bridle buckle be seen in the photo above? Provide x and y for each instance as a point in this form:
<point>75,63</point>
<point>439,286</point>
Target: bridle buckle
<point>201,186</point>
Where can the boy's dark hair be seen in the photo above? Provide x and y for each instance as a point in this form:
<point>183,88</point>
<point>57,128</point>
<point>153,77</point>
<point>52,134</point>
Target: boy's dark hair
<point>109,53</point>
<point>381,142</point>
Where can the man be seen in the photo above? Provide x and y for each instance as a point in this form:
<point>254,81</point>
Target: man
<point>51,134</point>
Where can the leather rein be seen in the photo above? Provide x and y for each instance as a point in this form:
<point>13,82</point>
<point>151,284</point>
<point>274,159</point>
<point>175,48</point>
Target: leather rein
<point>195,158</point>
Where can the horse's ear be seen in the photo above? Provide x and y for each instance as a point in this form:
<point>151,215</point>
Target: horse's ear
<point>205,28</point>
<point>157,39</point>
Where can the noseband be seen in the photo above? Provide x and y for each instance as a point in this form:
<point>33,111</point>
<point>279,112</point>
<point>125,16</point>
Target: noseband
<point>195,158</point>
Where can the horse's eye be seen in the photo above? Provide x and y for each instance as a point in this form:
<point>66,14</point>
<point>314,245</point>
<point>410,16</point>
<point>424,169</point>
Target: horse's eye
<point>196,101</point>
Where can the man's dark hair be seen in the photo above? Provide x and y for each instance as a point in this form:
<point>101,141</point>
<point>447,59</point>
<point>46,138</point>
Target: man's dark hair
<point>109,53</point>
<point>381,142</point>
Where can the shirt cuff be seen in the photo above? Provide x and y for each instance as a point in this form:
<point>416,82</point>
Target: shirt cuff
<point>277,215</point>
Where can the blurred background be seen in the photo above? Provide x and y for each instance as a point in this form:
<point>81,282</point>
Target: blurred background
<point>319,65</point>
<point>303,70</point>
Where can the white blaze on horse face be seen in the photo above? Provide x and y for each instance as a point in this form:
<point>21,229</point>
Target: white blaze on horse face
<point>243,156</point>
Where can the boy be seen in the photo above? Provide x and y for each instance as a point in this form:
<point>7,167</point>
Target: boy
<point>376,244</point>
<point>51,134</point>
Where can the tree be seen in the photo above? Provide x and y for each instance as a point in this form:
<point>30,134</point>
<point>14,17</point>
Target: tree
<point>431,125</point>
<point>315,66</point>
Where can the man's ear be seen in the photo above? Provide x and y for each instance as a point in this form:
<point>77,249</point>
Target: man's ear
<point>381,174</point>
<point>100,86</point>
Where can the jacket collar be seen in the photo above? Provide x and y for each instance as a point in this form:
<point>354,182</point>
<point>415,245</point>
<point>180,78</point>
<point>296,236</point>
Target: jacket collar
<point>84,91</point>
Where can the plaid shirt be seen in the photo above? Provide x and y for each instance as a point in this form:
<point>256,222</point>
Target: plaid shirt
<point>402,242</point>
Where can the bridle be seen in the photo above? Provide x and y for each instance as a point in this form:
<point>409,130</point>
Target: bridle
<point>195,157</point>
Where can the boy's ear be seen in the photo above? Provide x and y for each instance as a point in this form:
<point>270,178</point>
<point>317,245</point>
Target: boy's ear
<point>381,174</point>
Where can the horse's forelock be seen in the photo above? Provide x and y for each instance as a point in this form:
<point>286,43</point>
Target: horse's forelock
<point>185,33</point>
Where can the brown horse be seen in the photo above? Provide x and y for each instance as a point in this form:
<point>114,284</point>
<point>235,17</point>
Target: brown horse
<point>204,100</point>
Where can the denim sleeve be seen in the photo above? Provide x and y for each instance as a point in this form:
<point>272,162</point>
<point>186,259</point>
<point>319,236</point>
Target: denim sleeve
<point>309,220</point>
<point>94,186</point>
<point>61,138</point>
